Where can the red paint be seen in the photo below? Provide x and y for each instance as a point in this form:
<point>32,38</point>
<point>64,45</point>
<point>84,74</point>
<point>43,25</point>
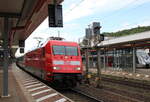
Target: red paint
<point>43,58</point>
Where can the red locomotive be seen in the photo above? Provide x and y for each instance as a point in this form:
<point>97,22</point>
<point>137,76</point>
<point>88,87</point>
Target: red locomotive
<point>58,62</point>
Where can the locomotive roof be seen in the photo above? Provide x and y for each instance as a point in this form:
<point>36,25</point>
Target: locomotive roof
<point>62,42</point>
<point>58,42</point>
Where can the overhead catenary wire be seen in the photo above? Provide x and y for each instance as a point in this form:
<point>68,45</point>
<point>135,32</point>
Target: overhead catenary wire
<point>75,6</point>
<point>78,4</point>
<point>119,13</point>
<point>107,16</point>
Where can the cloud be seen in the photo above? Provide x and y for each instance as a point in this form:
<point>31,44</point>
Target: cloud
<point>89,7</point>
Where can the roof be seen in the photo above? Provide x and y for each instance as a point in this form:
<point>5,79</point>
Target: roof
<point>24,17</point>
<point>127,39</point>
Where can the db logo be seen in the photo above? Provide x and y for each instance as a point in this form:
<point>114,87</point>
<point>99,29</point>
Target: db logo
<point>66,57</point>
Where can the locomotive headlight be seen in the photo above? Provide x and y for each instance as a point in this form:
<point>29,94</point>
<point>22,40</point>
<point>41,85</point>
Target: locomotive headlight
<point>56,68</point>
<point>78,68</point>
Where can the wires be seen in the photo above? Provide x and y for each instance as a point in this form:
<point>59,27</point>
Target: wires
<point>127,11</point>
<point>75,6</point>
<point>118,12</point>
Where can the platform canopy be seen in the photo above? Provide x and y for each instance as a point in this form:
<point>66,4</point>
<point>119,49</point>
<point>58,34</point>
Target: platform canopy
<point>134,40</point>
<point>24,17</point>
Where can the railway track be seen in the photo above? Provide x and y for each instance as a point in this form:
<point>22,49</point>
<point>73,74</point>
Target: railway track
<point>112,95</point>
<point>128,82</point>
<point>91,97</point>
<point>79,96</point>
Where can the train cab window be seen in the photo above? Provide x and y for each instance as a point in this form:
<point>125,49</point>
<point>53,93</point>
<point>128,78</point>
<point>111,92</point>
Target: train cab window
<point>59,50</point>
<point>71,51</point>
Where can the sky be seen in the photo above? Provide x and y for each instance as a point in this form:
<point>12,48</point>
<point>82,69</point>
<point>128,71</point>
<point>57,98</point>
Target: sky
<point>114,15</point>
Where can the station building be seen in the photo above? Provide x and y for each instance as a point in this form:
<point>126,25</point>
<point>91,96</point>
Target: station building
<point>128,53</point>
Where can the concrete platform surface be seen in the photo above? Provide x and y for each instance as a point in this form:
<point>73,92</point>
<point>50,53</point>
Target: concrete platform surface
<point>15,92</point>
<point>25,88</point>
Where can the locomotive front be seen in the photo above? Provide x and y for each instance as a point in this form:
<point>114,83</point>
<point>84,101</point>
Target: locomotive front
<point>66,64</point>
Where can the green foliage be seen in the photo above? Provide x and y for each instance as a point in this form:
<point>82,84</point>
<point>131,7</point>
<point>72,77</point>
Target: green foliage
<point>127,31</point>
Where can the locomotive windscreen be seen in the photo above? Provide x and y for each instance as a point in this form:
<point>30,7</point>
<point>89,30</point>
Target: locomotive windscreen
<point>71,51</point>
<point>65,50</point>
<point>59,50</point>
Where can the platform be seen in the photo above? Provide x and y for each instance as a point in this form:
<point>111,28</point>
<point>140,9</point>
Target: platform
<point>25,88</point>
<point>140,74</point>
